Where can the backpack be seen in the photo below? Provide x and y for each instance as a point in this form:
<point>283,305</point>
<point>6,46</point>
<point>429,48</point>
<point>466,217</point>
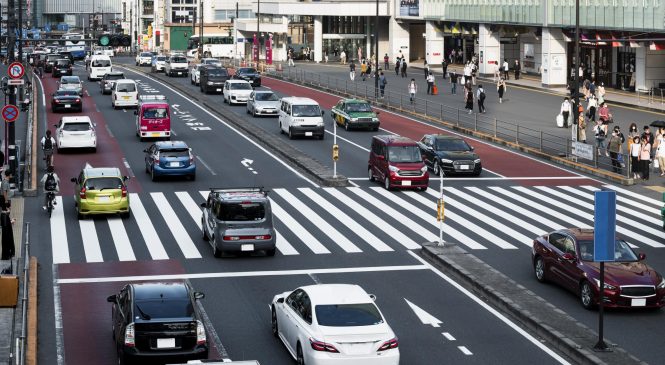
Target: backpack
<point>482,96</point>
<point>50,183</point>
<point>48,143</point>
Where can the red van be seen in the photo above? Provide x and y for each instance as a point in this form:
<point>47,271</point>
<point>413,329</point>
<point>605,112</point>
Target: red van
<point>396,161</point>
<point>153,117</point>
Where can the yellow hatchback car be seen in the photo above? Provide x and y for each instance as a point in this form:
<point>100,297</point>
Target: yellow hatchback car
<point>101,190</point>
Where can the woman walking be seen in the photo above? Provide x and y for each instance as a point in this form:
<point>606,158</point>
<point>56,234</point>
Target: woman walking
<point>413,89</point>
<point>591,107</point>
<point>634,148</point>
<point>645,158</point>
<point>468,98</point>
<point>600,131</point>
<point>501,88</point>
<point>601,93</point>
<point>581,125</point>
<point>660,150</point>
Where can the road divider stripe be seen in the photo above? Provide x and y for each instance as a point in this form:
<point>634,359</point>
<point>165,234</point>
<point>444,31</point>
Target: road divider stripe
<point>173,223</point>
<point>283,245</point>
<point>193,209</point>
<point>631,211</point>
<point>59,244</point>
<point>91,246</point>
<point>121,240</point>
<point>310,241</point>
<point>152,241</point>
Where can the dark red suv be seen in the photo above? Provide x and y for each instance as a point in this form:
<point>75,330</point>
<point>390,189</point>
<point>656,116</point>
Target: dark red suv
<point>396,161</point>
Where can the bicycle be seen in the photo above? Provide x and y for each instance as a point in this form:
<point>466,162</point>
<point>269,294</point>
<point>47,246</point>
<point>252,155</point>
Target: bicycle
<point>48,156</point>
<point>50,203</point>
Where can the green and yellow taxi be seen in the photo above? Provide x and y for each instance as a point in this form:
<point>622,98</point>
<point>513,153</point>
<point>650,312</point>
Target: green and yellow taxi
<point>101,190</point>
<point>355,114</point>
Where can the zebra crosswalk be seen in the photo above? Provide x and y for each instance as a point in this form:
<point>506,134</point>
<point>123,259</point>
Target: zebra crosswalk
<point>324,221</point>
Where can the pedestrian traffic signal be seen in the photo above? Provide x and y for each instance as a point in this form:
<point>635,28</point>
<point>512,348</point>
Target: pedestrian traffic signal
<point>440,210</point>
<point>335,152</point>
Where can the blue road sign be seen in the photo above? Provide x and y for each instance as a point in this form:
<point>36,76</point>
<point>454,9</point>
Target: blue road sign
<point>605,222</point>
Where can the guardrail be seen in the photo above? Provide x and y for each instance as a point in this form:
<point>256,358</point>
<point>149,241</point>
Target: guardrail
<point>18,353</point>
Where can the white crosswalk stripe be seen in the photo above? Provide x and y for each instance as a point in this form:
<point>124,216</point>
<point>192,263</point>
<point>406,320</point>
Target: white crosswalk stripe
<point>354,220</point>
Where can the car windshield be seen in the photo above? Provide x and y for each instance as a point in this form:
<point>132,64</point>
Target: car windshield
<point>164,308</point>
<point>70,80</point>
<point>266,97</point>
<point>62,62</point>
<point>306,111</point>
<point>247,71</point>
<point>451,145</point>
<point>66,93</point>
<point>175,152</point>
<point>622,252</point>
<point>210,61</point>
<point>52,58</point>
<point>348,315</point>
<point>404,154</point>
<point>241,211</point>
<point>161,58</point>
<point>101,63</point>
<point>218,73</point>
<point>241,86</point>
<point>99,183</point>
<point>155,113</point>
<point>358,107</point>
<point>76,127</point>
<point>125,87</point>
<point>115,76</point>
<point>146,54</point>
<point>178,60</point>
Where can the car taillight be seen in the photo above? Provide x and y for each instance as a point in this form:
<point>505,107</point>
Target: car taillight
<point>124,191</point>
<point>390,344</point>
<point>191,158</point>
<point>263,237</point>
<point>230,238</point>
<point>200,333</point>
<point>156,158</point>
<point>130,340</point>
<point>78,100</point>
<point>82,193</point>
<point>322,346</point>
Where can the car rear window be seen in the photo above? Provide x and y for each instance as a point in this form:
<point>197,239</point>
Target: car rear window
<point>218,73</point>
<point>161,58</point>
<point>348,315</point>
<point>101,63</point>
<point>178,60</point>
<point>622,252</point>
<point>241,86</point>
<point>125,87</point>
<point>155,113</point>
<point>158,308</point>
<point>62,62</point>
<point>66,93</point>
<point>266,97</point>
<point>358,107</point>
<point>101,183</point>
<point>452,145</point>
<point>247,70</point>
<point>52,57</point>
<point>146,54</point>
<point>179,152</point>
<point>404,154</point>
<point>70,80</point>
<point>115,76</point>
<point>241,211</point>
<point>76,126</point>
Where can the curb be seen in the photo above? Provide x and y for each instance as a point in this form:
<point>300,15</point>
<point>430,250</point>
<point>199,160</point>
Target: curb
<point>31,348</point>
<point>312,167</point>
<point>559,329</point>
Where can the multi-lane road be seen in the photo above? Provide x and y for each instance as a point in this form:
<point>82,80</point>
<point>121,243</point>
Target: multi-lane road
<point>361,234</point>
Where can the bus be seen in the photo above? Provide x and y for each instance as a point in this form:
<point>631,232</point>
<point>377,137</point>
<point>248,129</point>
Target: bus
<point>74,43</point>
<point>214,45</point>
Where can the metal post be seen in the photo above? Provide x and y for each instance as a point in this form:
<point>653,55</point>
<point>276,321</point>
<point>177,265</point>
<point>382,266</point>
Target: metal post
<point>425,107</point>
<point>334,143</point>
<point>441,114</point>
<point>494,127</point>
<point>441,199</point>
<point>475,121</point>
<point>376,52</point>
<point>517,134</point>
<point>601,345</point>
<point>201,29</point>
<point>578,64</point>
<point>258,32</point>
<point>235,37</point>
<point>20,33</point>
<point>11,41</point>
<point>457,117</point>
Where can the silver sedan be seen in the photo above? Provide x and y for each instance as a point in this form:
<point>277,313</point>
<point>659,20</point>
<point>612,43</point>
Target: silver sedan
<point>263,102</point>
<point>71,83</point>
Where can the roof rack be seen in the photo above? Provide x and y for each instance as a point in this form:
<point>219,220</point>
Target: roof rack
<point>240,190</point>
<point>152,97</point>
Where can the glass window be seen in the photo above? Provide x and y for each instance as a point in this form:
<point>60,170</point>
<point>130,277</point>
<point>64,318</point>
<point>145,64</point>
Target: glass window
<point>622,252</point>
<point>306,111</point>
<point>114,76</point>
<point>101,63</point>
<point>175,152</point>
<point>266,97</point>
<point>178,59</point>
<point>556,240</point>
<point>243,211</point>
<point>155,113</point>
<point>76,127</point>
<point>66,93</point>
<point>404,154</point>
<point>358,107</point>
<point>452,145</point>
<point>348,315</point>
<point>101,183</point>
<point>160,308</point>
<point>125,87</point>
<point>240,86</point>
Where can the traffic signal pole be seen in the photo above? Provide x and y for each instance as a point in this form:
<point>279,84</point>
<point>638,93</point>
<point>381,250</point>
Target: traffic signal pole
<point>10,132</point>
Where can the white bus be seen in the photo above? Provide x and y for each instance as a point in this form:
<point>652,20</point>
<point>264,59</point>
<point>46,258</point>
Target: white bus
<point>74,43</point>
<point>214,45</point>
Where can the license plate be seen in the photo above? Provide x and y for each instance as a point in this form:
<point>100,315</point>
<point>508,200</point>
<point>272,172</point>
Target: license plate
<point>155,134</point>
<point>179,73</point>
<point>406,182</point>
<point>464,167</point>
<point>308,134</point>
<point>219,90</point>
<point>125,97</point>
<point>165,343</point>
<point>67,106</point>
<point>247,247</point>
<point>104,199</point>
<point>174,164</point>
<point>638,302</point>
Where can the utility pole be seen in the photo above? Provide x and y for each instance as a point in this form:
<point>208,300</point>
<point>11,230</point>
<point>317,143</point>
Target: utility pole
<point>376,52</point>
<point>20,32</point>
<point>258,32</point>
<point>131,25</point>
<point>10,133</point>
<point>201,29</point>
<point>576,73</point>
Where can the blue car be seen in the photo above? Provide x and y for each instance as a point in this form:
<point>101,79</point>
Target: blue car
<point>169,158</point>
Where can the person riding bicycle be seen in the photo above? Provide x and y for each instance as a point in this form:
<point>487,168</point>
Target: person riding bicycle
<point>51,184</point>
<point>48,143</point>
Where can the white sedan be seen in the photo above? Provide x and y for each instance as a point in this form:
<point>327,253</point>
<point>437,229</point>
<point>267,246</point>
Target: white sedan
<point>195,74</point>
<point>333,324</point>
<point>237,91</point>
<point>76,132</point>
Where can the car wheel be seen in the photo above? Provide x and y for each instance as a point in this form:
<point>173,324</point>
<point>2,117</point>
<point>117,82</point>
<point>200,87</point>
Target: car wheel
<point>205,233</point>
<point>153,177</point>
<point>539,269</point>
<point>300,358</point>
<point>147,169</point>
<point>437,168</point>
<point>281,131</point>
<point>291,136</point>
<point>79,216</point>
<point>53,109</point>
<point>586,295</point>
<point>273,323</point>
<point>346,125</point>
<point>215,250</point>
<point>254,112</point>
<point>323,135</point>
<point>386,183</point>
<point>271,252</point>
<point>375,129</point>
<point>192,177</point>
<point>370,175</point>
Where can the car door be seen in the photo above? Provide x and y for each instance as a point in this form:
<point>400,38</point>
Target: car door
<point>290,318</point>
<point>148,156</point>
<point>427,150</point>
<point>570,271</point>
<point>119,316</point>
<point>282,115</point>
<point>555,259</point>
<point>302,321</point>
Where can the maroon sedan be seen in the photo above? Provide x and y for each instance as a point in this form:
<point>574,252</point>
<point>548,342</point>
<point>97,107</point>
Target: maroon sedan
<point>565,257</point>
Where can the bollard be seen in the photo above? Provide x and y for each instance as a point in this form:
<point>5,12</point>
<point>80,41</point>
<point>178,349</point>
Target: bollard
<point>494,127</point>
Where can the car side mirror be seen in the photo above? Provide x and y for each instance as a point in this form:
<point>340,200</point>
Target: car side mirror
<point>377,113</point>
<point>642,256</point>
<point>145,150</point>
<point>372,297</point>
<point>73,180</point>
<point>136,112</point>
<point>280,300</point>
<point>568,256</point>
<point>112,298</point>
<point>199,295</point>
<point>472,148</point>
<point>55,125</point>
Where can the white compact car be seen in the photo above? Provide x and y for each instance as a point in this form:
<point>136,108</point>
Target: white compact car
<point>125,92</point>
<point>236,91</point>
<point>195,74</point>
<point>143,59</point>
<point>76,132</point>
<point>333,323</point>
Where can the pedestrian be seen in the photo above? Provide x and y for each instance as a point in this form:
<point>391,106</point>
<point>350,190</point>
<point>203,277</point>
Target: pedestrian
<point>360,53</point>
<point>581,125</point>
<point>497,71</point>
<point>430,83</point>
<point>403,66</point>
<point>480,95</point>
<point>614,145</point>
<point>592,87</point>
<point>352,70</point>
<point>468,98</point>
<point>600,131</point>
<point>517,69</point>
<point>660,151</point>
<point>5,185</point>
<point>6,222</point>
<point>382,83</point>
<point>325,56</point>
<point>368,71</point>
<point>505,69</point>
<point>591,107</point>
<point>565,111</point>
<point>397,66</point>
<point>290,57</point>
<point>426,69</point>
<point>645,157</point>
<point>474,69</point>
<point>467,73</point>
<point>342,57</point>
<point>648,135</point>
<point>444,67</point>
<point>601,93</point>
<point>501,88</point>
<point>604,113</point>
<point>632,133</point>
<point>634,149</point>
<point>412,89</point>
<point>453,82</point>
<point>385,62</point>
<point>451,57</point>
<point>363,69</point>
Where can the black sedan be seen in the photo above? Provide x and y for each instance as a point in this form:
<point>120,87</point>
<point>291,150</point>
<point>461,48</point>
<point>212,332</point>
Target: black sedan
<point>158,321</point>
<point>66,100</point>
<point>62,67</point>
<point>448,155</point>
<point>248,74</point>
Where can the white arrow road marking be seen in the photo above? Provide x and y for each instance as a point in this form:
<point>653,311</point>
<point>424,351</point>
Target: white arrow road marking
<point>246,162</point>
<point>424,317</point>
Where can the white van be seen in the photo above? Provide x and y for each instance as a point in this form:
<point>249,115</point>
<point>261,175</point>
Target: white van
<point>301,117</point>
<point>99,65</point>
<point>125,92</point>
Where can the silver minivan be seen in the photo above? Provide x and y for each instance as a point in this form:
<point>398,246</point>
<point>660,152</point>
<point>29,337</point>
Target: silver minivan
<point>238,220</point>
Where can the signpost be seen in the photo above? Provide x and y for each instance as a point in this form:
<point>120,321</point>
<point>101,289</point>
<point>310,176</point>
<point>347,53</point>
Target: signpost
<point>16,70</point>
<point>10,113</point>
<point>604,240</point>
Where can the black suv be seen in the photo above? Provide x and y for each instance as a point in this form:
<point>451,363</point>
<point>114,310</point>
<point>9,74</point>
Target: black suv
<point>248,74</point>
<point>158,321</point>
<point>62,67</point>
<point>50,60</point>
<point>212,78</point>
<point>106,85</point>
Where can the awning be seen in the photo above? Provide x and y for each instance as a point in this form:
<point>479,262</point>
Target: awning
<point>616,44</point>
<point>657,46</point>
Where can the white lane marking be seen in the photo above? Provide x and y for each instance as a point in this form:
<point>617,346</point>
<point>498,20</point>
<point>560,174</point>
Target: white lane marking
<point>628,210</point>
<point>464,350</point>
<point>456,178</point>
<point>283,245</point>
<point>641,197</point>
<point>152,241</point>
<point>319,222</point>
<point>448,336</point>
<point>183,240</point>
<point>193,209</point>
<point>354,226</point>
<point>300,231</point>
<point>628,232</point>
<point>41,85</point>
<point>630,201</point>
<point>423,316</point>
<point>245,274</point>
<point>348,140</point>
<point>121,240</point>
<point>491,310</point>
<point>388,228</point>
<point>108,129</point>
<point>406,221</point>
<point>57,314</point>
<point>231,128</point>
<point>205,165</point>
<point>129,168</point>
<point>59,244</point>
<point>91,247</point>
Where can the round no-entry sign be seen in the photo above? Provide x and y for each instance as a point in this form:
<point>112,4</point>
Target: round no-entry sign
<point>10,113</point>
<point>15,70</point>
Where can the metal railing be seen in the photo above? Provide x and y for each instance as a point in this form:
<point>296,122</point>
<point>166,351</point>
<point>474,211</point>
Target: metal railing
<point>18,354</point>
<point>520,134</point>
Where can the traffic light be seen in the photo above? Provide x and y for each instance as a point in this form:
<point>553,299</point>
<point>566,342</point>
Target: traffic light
<point>104,40</point>
<point>440,210</point>
<point>335,152</point>
<point>114,40</point>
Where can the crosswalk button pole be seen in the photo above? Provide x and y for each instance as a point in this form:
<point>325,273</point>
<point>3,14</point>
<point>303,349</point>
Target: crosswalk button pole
<point>335,152</point>
<point>440,210</point>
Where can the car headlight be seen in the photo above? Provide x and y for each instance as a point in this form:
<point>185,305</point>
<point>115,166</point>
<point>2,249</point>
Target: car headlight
<point>375,119</point>
<point>662,284</point>
<point>445,160</point>
<point>354,119</point>
<point>423,169</point>
<point>210,82</point>
<point>476,160</point>
<point>393,168</point>
<point>607,286</point>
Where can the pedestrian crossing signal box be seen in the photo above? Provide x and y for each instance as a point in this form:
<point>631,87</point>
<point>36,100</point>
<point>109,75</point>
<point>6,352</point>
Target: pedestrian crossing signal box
<point>440,210</point>
<point>335,152</point>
